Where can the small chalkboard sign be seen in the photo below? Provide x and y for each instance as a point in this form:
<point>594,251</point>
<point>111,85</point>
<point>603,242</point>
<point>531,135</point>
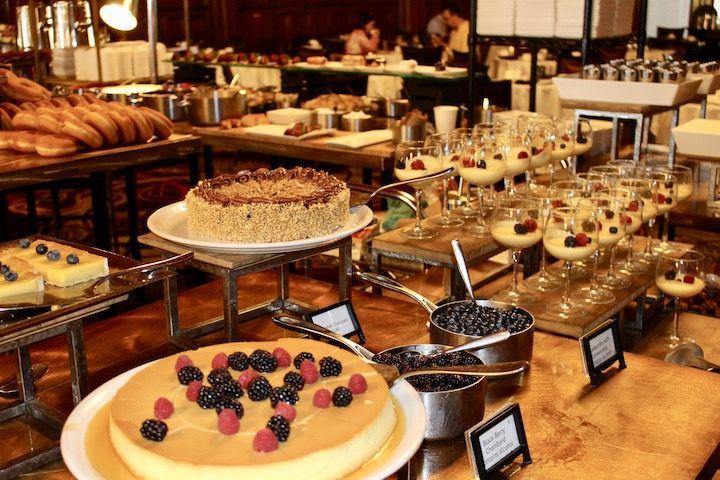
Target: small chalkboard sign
<point>600,349</point>
<point>494,443</point>
<point>340,318</point>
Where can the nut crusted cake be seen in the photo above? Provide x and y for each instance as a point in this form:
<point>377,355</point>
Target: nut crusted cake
<point>268,205</point>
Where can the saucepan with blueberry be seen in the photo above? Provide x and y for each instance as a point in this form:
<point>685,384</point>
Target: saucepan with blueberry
<point>456,323</point>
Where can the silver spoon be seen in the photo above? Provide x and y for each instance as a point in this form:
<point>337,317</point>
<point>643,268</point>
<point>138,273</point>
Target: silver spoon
<point>462,267</point>
<point>432,176</point>
<point>691,355</point>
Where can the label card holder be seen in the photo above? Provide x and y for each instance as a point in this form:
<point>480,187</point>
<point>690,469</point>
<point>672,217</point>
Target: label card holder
<point>495,443</point>
<point>600,349</point>
<point>340,318</point>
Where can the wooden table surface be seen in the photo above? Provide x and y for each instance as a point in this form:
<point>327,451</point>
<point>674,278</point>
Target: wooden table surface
<point>437,250</point>
<point>377,157</point>
<point>21,169</point>
<point>579,325</point>
<point>651,420</point>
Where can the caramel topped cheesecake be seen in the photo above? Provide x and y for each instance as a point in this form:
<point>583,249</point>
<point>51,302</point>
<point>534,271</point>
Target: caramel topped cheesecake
<point>268,205</point>
<point>280,410</point>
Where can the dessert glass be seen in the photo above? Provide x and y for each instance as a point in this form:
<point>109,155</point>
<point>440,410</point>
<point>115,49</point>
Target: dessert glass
<point>645,193</point>
<point>563,144</point>
<point>571,234</point>
<point>611,229</point>
<point>450,156</point>
<point>463,138</point>
<point>414,160</point>
<point>632,216</point>
<point>516,145</point>
<point>543,281</point>
<point>684,190</point>
<point>515,225</point>
<point>680,278</point>
<point>483,167</point>
<point>667,195</point>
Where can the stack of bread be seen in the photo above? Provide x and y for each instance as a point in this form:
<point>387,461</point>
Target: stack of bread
<point>35,122</point>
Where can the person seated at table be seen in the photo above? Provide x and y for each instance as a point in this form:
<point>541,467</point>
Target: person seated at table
<point>457,42</point>
<point>365,38</point>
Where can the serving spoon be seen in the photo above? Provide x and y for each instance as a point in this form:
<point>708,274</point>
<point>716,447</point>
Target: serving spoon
<point>390,372</point>
<point>433,176</point>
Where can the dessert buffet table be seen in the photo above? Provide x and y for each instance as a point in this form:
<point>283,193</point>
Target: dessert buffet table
<point>378,157</point>
<point>573,430</point>
<point>27,170</point>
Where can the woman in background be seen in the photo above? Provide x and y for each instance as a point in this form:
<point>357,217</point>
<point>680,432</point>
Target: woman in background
<point>365,38</point>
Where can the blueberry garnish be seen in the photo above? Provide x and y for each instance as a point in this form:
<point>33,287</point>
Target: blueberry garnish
<point>4,269</point>
<point>24,243</point>
<point>73,259</point>
<point>41,249</point>
<point>10,276</point>
<point>53,255</point>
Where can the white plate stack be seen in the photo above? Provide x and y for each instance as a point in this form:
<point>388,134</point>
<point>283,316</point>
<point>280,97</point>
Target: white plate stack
<point>535,18</point>
<point>496,18</point>
<point>570,17</point>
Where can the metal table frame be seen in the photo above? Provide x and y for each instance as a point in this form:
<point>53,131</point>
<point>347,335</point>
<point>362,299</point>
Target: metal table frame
<point>216,264</point>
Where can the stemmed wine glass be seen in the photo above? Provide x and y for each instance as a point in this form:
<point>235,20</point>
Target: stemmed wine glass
<point>540,150</point>
<point>680,278</point>
<point>450,157</point>
<point>667,194</point>
<point>516,224</point>
<point>611,229</point>
<point>631,220</point>
<point>646,201</point>
<point>543,281</point>
<point>516,145</point>
<point>571,234</point>
<point>483,166</point>
<point>463,138</point>
<point>414,160</point>
<point>563,143</point>
<point>683,190</point>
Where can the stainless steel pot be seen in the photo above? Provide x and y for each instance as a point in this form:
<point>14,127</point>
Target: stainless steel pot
<point>403,132</point>
<point>518,347</point>
<point>128,94</point>
<point>210,107</point>
<point>326,119</point>
<point>169,104</point>
<point>356,124</point>
<point>393,107</point>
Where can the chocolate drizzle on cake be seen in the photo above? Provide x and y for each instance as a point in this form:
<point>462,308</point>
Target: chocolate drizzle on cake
<point>271,186</point>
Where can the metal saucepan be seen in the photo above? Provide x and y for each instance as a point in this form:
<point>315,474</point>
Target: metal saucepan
<point>404,132</point>
<point>449,412</point>
<point>129,93</point>
<point>169,104</point>
<point>210,107</point>
<point>518,347</point>
<point>326,117</point>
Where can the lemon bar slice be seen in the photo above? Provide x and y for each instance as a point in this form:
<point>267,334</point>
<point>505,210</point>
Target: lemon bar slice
<point>22,280</point>
<point>61,272</point>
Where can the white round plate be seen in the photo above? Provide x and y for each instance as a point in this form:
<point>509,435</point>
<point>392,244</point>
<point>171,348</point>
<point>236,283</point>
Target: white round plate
<point>170,223</point>
<point>72,439</point>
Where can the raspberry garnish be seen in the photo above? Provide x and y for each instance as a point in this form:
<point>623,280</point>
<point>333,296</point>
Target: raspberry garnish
<point>220,361</point>
<point>182,361</point>
<point>523,155</point>
<point>357,383</point>
<point>581,239</point>
<point>265,441</point>
<point>286,410</point>
<point>468,162</point>
<point>228,422</point>
<point>309,372</point>
<point>193,390</point>
<point>417,164</point>
<point>246,377</point>
<point>531,226</point>
<point>322,398</point>
<point>689,279</point>
<point>163,408</point>
<point>282,356</point>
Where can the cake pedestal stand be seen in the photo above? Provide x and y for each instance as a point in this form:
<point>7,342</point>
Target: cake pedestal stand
<point>229,267</point>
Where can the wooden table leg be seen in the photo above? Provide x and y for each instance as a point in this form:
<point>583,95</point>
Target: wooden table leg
<point>345,270</point>
<point>208,156</point>
<point>230,305</point>
<point>132,212</point>
<point>77,360</point>
<point>101,209</point>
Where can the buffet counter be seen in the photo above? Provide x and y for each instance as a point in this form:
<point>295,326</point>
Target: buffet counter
<point>652,419</point>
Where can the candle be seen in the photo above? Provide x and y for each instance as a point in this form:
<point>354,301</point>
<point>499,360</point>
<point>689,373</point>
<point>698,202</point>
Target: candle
<point>486,113</point>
